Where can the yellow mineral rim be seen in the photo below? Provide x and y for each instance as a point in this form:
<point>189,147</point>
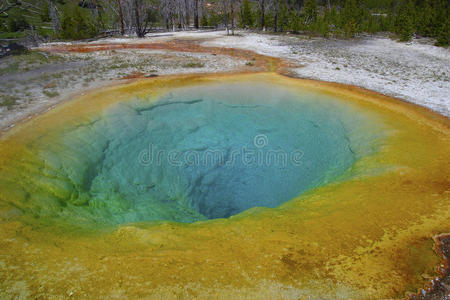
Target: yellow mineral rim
<point>361,237</point>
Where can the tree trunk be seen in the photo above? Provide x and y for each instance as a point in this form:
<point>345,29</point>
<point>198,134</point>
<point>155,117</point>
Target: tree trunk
<point>232,17</point>
<point>299,6</point>
<point>54,16</point>
<point>275,17</point>
<point>241,12</point>
<point>172,17</point>
<point>329,4</point>
<point>186,11</point>
<point>263,8</point>
<point>196,14</point>
<point>99,15</point>
<point>139,31</point>
<point>225,15</point>
<point>122,28</point>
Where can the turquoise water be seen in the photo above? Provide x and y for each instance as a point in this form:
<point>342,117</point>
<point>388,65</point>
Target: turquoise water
<point>197,153</point>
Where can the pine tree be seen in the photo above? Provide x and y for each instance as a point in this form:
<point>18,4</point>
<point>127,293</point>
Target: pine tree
<point>443,34</point>
<point>45,14</point>
<point>204,20</point>
<point>269,19</point>
<point>17,22</point>
<point>349,19</point>
<point>388,23</point>
<point>75,26</point>
<point>247,17</point>
<point>425,19</point>
<point>441,13</point>
<point>213,19</point>
<point>283,17</point>
<point>350,11</point>
<point>83,27</point>
<point>258,14</point>
<point>404,23</point>
<point>322,27</point>
<point>294,21</point>
<point>310,12</point>
<point>67,29</point>
<point>332,18</point>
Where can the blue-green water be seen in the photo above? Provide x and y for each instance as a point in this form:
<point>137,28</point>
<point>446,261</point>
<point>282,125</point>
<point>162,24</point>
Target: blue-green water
<point>197,153</point>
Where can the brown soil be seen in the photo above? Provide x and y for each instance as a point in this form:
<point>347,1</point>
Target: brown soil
<point>438,288</point>
<point>263,62</point>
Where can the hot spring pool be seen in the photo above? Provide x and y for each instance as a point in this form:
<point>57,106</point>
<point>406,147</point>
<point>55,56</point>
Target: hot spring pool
<point>192,154</point>
<point>250,186</point>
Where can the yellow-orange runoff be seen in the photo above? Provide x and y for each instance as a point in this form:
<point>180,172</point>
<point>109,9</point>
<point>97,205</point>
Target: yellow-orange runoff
<point>365,237</point>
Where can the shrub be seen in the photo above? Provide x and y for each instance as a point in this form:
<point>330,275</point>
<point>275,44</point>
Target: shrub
<point>50,94</point>
<point>204,20</point>
<point>193,65</point>
<point>247,17</point>
<point>8,101</point>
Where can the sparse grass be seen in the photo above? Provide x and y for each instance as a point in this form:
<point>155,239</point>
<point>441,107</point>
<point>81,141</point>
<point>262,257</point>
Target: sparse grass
<point>50,94</point>
<point>250,63</point>
<point>12,67</point>
<point>123,65</point>
<point>8,101</point>
<point>193,65</point>
<point>39,57</point>
<point>28,61</point>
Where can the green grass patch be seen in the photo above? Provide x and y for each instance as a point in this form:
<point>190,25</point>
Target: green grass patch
<point>8,101</point>
<point>33,57</point>
<point>12,67</point>
<point>50,94</point>
<point>194,65</point>
<point>28,61</point>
